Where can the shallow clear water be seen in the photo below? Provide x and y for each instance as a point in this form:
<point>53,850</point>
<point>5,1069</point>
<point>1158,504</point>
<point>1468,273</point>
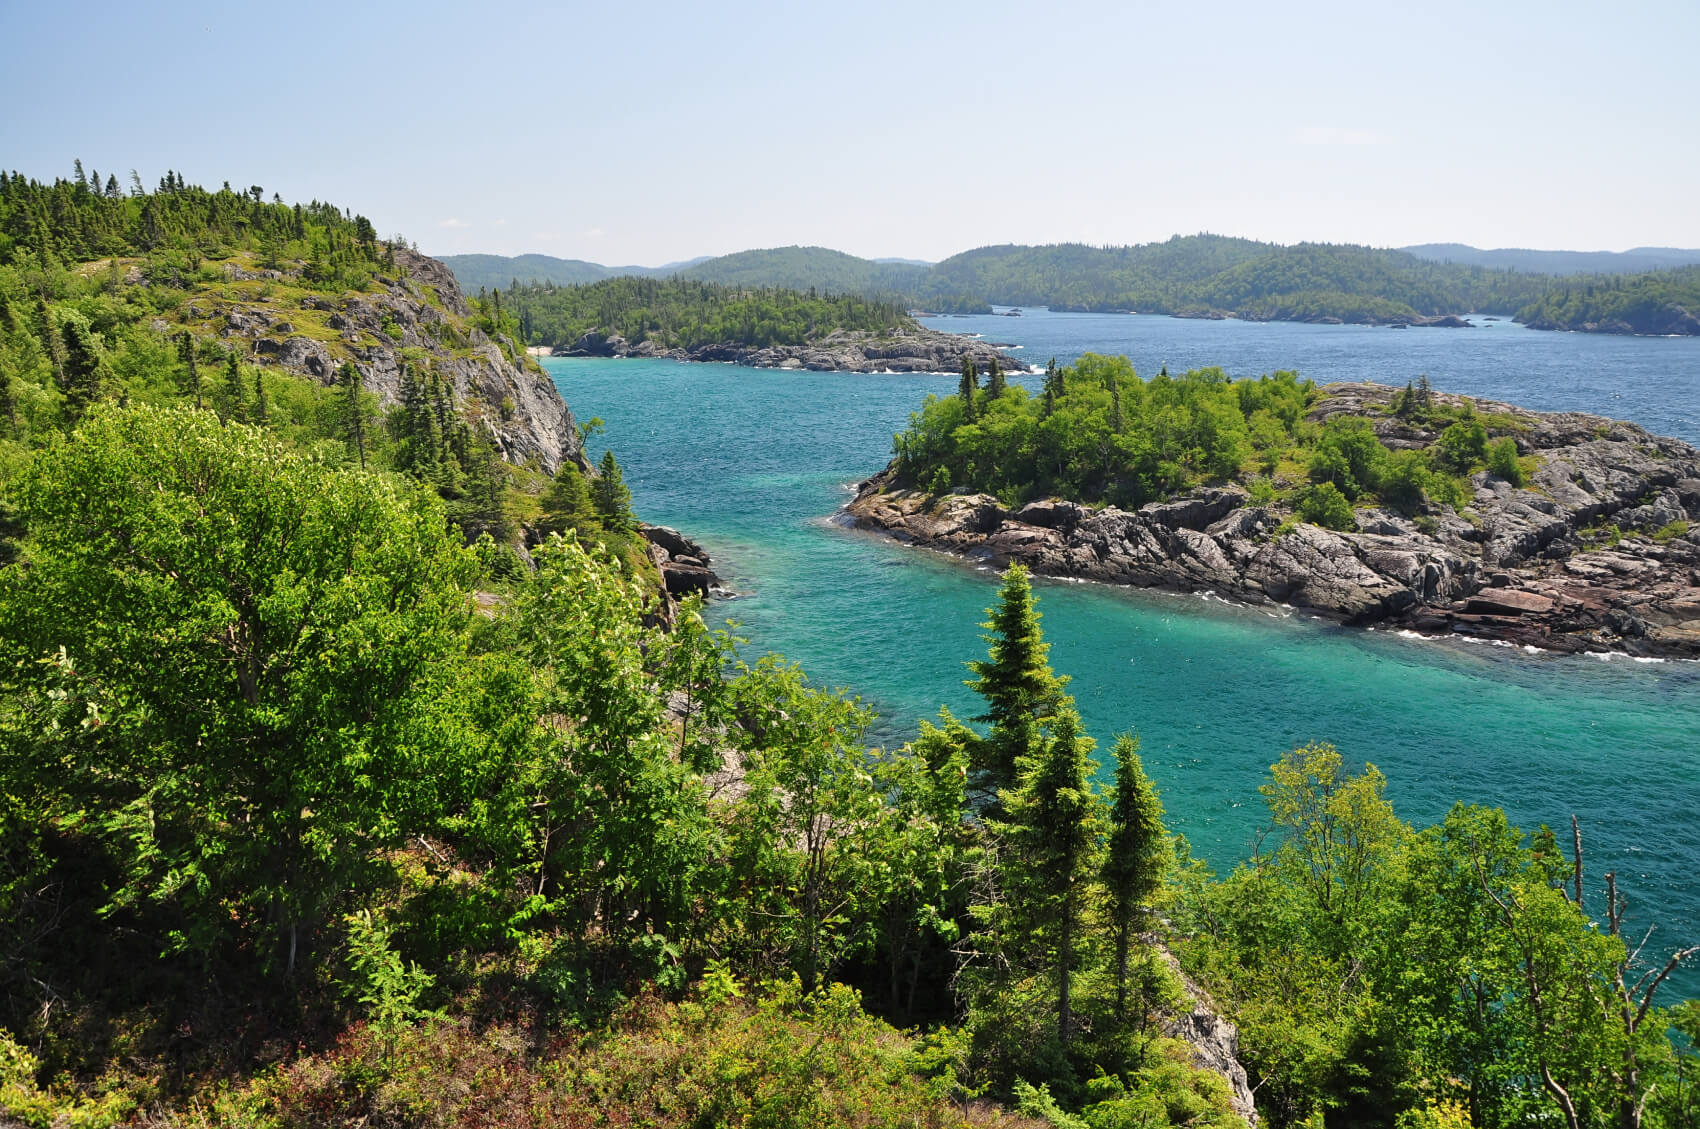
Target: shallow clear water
<point>752,463</point>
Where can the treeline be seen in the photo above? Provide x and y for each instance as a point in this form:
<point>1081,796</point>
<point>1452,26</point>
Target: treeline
<point>74,334</point>
<point>1096,432</point>
<point>176,226</point>
<point>681,314</point>
<point>1195,275</point>
<point>1662,302</point>
<point>273,760</point>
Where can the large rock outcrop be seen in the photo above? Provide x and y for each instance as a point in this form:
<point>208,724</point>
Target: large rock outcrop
<point>417,307</point>
<point>914,350</point>
<point>1593,554</point>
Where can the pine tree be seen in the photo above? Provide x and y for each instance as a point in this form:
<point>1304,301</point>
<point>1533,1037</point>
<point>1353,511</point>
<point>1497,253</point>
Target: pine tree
<point>1138,852</point>
<point>354,406</point>
<point>186,350</point>
<point>995,381</point>
<point>1053,829</point>
<point>1053,386</point>
<point>233,388</point>
<point>1016,682</point>
<point>85,367</point>
<point>47,329</point>
<point>567,505</point>
<point>1117,423</point>
<point>967,386</point>
<point>609,495</point>
<point>259,395</point>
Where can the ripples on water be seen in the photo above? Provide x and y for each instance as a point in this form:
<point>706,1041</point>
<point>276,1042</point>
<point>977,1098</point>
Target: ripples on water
<point>753,462</point>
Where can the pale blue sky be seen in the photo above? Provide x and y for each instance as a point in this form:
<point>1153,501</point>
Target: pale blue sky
<point>643,133</point>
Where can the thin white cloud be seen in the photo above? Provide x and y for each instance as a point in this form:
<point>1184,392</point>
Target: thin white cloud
<point>453,222</point>
<point>594,233</point>
<point>1334,135</point>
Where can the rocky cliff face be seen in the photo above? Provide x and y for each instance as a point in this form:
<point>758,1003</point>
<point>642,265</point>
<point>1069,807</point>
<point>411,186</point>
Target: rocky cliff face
<point>1592,555</point>
<point>418,307</point>
<point>919,350</point>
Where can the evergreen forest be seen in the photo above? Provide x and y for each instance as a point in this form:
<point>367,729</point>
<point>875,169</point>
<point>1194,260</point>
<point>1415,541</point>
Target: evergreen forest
<point>681,314</point>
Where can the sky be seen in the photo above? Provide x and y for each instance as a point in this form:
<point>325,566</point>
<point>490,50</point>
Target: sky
<point>649,133</point>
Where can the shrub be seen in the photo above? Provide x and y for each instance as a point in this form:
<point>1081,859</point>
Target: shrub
<point>1326,506</point>
<point>1502,461</point>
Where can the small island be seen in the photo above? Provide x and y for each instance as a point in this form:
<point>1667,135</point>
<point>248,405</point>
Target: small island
<point>1409,507</point>
<point>765,327</point>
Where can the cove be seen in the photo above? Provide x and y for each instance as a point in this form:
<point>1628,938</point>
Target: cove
<point>753,463</point>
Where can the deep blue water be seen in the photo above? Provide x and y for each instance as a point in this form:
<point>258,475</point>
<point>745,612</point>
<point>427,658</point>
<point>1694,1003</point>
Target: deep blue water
<point>752,463</point>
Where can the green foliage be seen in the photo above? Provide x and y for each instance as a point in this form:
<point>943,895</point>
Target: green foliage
<point>609,495</point>
<point>1462,446</point>
<point>677,313</point>
<point>238,660</point>
<point>1101,432</point>
<point>1016,681</point>
<point>1349,457</point>
<point>1657,302</point>
<point>1327,506</point>
<point>1503,462</point>
<point>386,986</point>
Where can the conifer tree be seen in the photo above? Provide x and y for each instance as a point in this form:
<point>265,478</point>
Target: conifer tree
<point>233,388</point>
<point>996,383</point>
<point>47,329</point>
<point>1015,680</point>
<point>967,386</point>
<point>1053,386</point>
<point>1053,827</point>
<point>1138,852</point>
<point>85,367</point>
<point>259,395</point>
<point>1117,423</point>
<point>353,386</point>
<point>186,349</point>
<point>608,493</point>
<point>567,505</point>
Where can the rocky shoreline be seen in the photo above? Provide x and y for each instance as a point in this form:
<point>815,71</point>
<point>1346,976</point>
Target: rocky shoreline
<point>911,350</point>
<point>1594,554</point>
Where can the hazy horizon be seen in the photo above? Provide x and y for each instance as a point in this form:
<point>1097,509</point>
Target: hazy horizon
<point>887,130</point>
<point>684,261</point>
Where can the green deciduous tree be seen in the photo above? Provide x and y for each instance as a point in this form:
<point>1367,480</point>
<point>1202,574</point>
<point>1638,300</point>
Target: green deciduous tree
<point>243,660</point>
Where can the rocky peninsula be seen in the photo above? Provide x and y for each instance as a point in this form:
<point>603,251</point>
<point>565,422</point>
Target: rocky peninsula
<point>915,349</point>
<point>1599,551</point>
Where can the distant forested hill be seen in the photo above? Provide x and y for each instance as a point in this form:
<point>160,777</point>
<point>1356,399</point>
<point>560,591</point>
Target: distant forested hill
<point>1558,262</point>
<point>493,272</point>
<point>1194,275</point>
<point>1660,303</point>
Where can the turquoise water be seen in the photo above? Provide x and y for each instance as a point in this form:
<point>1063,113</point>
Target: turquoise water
<point>753,463</point>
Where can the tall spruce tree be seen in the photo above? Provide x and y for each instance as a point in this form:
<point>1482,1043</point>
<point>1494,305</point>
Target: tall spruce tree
<point>192,367</point>
<point>353,384</point>
<point>567,505</point>
<point>1016,682</point>
<point>85,366</point>
<point>967,386</point>
<point>235,391</point>
<point>608,493</point>
<point>996,382</point>
<point>1053,825</point>
<point>1137,854</point>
